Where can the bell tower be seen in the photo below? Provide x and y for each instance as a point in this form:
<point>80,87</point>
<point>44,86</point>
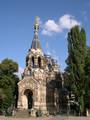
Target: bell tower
<point>35,57</point>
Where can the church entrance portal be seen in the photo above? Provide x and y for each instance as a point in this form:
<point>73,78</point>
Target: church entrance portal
<point>29,95</point>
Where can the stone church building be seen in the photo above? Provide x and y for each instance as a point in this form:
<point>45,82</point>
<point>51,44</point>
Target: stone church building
<point>41,81</point>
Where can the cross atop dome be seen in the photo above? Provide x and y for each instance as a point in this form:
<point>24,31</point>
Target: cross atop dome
<point>36,24</point>
<point>36,42</point>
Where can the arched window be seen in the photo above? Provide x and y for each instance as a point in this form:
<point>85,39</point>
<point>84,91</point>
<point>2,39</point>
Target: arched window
<point>39,61</point>
<point>32,61</point>
<point>49,66</point>
<point>30,72</point>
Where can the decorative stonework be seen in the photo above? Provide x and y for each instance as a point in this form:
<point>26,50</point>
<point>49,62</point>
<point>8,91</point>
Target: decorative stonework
<point>39,80</point>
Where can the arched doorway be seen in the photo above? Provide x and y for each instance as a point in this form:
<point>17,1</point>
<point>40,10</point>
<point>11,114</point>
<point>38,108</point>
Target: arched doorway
<point>29,95</point>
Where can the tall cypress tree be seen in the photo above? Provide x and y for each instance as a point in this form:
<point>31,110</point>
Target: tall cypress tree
<point>87,74</point>
<point>76,63</point>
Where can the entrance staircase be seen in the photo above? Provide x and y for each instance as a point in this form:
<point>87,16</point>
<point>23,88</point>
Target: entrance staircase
<point>21,114</point>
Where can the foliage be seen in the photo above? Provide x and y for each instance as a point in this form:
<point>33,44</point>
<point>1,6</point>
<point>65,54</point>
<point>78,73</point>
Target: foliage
<point>87,63</point>
<point>87,74</point>
<point>8,82</point>
<point>76,63</point>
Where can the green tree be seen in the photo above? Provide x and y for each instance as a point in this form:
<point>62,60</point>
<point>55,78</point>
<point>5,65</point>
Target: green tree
<point>8,82</point>
<point>76,63</point>
<point>2,96</point>
<point>87,73</point>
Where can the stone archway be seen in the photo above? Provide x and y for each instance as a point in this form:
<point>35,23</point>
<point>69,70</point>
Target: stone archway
<point>29,98</point>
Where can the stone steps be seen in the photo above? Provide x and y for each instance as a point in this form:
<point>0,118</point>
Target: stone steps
<point>21,114</point>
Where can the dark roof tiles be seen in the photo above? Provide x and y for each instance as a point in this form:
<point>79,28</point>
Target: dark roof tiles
<point>36,42</point>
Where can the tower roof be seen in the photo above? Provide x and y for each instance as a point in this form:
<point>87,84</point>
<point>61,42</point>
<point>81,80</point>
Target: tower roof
<point>36,42</point>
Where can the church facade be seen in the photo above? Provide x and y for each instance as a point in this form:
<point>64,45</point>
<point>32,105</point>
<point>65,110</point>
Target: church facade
<point>41,81</point>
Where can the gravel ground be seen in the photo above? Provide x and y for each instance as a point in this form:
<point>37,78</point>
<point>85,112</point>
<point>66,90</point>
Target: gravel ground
<point>46,118</point>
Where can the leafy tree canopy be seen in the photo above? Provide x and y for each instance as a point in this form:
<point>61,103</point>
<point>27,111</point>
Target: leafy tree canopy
<point>8,82</point>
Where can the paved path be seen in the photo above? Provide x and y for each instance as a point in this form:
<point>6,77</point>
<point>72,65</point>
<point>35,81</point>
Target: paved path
<point>47,118</point>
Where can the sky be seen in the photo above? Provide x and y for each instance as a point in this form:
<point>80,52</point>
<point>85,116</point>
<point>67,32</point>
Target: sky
<point>56,17</point>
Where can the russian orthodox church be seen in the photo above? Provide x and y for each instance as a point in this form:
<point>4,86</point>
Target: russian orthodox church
<point>41,81</point>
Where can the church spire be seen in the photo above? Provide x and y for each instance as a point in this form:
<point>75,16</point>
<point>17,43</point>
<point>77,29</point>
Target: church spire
<point>36,24</point>
<point>36,42</point>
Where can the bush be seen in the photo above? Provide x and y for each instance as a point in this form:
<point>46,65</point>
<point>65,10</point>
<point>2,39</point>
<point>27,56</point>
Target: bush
<point>39,113</point>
